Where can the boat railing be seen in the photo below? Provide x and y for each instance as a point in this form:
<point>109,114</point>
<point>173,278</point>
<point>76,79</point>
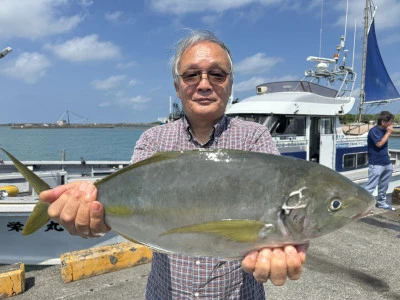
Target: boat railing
<point>52,178</point>
<point>394,155</point>
<point>356,129</point>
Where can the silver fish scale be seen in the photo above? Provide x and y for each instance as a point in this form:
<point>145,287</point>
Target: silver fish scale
<point>197,187</point>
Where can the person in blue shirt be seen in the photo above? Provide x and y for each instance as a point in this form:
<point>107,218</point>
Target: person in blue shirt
<point>380,168</point>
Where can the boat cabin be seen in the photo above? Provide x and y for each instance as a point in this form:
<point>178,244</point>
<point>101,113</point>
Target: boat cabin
<point>303,119</point>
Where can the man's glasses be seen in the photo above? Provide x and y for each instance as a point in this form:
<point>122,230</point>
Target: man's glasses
<point>214,77</point>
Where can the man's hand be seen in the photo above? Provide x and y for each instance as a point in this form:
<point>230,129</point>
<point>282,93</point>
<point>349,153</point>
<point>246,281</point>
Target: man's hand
<point>389,129</point>
<point>276,264</point>
<point>74,207</point>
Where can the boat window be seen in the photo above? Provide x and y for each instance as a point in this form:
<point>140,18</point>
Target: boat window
<point>295,86</point>
<point>355,160</point>
<point>278,124</point>
<point>326,126</point>
<point>362,159</point>
<point>285,125</point>
<point>349,161</point>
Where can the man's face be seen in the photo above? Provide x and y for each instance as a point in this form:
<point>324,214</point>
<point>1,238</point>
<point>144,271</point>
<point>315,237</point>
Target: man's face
<point>387,124</point>
<point>205,100</point>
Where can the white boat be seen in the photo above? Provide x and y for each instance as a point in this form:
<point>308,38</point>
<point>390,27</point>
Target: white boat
<point>47,244</point>
<point>303,116</point>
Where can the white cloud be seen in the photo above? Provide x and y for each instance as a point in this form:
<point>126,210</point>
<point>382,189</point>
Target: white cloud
<point>251,84</point>
<point>248,85</point>
<point>28,67</point>
<point>139,99</point>
<point>180,7</point>
<point>34,19</point>
<point>105,104</point>
<point>390,39</point>
<point>133,82</point>
<point>126,65</point>
<point>108,83</point>
<point>135,103</point>
<point>86,3</point>
<point>258,63</point>
<point>88,48</point>
<point>386,15</point>
<point>114,16</point>
<point>396,80</point>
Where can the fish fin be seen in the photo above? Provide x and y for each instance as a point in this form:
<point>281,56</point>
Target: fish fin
<point>128,238</point>
<point>154,158</point>
<point>38,184</point>
<point>118,210</point>
<point>243,231</point>
<point>39,216</point>
<point>160,156</point>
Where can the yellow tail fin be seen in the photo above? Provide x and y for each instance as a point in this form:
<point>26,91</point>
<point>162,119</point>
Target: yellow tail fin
<point>39,216</point>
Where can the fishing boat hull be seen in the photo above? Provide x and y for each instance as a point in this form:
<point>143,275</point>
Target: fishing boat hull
<point>45,246</point>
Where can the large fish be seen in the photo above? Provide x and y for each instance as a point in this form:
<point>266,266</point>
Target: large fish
<point>220,203</point>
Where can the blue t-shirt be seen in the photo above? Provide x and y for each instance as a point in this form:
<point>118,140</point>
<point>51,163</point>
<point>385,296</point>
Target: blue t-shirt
<point>376,155</point>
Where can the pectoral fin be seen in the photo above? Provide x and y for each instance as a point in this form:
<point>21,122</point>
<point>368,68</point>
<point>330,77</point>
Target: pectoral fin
<point>243,231</point>
<point>118,210</point>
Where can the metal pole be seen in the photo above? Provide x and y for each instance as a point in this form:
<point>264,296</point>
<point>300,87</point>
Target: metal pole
<point>364,59</point>
<point>5,52</point>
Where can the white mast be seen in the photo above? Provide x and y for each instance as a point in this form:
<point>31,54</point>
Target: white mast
<point>364,59</point>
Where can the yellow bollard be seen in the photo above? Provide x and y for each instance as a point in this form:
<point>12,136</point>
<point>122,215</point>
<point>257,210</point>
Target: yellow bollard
<point>95,261</point>
<point>12,280</point>
<point>396,196</point>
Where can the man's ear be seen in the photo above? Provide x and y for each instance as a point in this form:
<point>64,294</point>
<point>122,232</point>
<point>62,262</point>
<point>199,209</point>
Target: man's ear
<point>177,89</point>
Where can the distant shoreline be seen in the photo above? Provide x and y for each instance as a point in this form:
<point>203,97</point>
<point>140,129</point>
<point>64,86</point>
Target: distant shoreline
<point>71,126</point>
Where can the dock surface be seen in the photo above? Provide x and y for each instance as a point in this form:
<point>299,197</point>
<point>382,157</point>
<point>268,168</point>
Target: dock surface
<point>360,261</point>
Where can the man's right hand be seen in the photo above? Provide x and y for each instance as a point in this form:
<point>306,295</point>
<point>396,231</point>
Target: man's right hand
<point>74,207</point>
<point>389,129</point>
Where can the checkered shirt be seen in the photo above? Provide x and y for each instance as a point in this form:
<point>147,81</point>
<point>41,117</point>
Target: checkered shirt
<point>177,276</point>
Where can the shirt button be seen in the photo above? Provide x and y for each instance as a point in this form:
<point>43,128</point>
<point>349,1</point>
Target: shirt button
<point>197,262</point>
<point>196,294</point>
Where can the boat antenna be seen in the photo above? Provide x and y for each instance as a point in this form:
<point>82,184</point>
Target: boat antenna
<point>345,23</point>
<point>320,29</point>
<point>343,38</point>
<point>354,43</point>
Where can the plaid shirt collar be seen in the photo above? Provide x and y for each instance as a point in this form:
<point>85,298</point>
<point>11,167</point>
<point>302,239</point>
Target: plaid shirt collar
<point>219,128</point>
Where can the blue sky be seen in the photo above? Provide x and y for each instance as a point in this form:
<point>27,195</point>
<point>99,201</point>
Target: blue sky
<point>108,61</point>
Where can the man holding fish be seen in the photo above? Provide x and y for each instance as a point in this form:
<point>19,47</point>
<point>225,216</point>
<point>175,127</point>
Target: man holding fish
<point>203,76</point>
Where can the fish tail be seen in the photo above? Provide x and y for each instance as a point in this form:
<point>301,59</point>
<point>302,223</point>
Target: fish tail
<point>39,216</point>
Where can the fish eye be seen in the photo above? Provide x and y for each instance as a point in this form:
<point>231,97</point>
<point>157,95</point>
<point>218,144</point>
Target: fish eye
<point>336,204</point>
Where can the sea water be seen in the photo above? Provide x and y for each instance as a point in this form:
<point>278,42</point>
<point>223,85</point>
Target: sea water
<point>88,143</point>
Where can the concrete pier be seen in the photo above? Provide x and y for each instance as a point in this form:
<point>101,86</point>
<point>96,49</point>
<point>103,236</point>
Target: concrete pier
<point>360,261</point>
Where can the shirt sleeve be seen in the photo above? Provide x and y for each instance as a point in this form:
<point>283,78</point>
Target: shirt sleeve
<point>145,147</point>
<point>376,135</point>
<point>263,142</point>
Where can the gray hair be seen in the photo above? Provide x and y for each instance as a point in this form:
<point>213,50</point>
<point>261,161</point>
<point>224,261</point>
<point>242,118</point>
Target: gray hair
<point>194,37</point>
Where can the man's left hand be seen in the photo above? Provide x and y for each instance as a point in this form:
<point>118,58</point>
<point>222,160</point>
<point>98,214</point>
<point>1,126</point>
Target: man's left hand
<point>276,264</point>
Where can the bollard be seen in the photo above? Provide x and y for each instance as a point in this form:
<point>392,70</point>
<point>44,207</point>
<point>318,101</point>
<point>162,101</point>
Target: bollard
<point>12,280</point>
<point>95,261</point>
<point>396,196</point>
